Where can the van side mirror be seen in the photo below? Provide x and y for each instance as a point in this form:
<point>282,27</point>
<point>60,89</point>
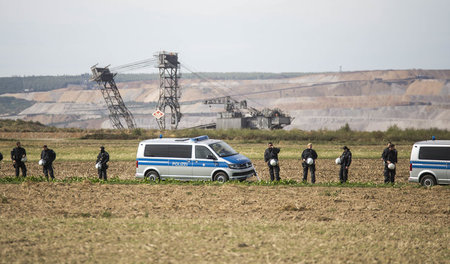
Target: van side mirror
<point>211,157</point>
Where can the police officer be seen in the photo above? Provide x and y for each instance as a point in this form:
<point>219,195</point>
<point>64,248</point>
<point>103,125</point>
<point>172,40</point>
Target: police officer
<point>390,157</point>
<point>272,153</point>
<point>18,157</point>
<point>48,156</point>
<point>102,160</point>
<point>309,152</point>
<point>346,160</point>
<point>385,151</point>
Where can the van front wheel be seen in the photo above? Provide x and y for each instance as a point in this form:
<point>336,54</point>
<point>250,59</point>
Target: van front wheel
<point>221,177</point>
<point>152,176</point>
<point>427,181</point>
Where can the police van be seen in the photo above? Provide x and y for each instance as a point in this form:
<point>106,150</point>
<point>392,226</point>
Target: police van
<point>430,162</point>
<point>198,158</point>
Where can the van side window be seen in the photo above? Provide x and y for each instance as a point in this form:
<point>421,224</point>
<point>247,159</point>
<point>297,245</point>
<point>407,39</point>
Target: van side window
<point>434,153</point>
<point>168,151</point>
<point>202,152</point>
<point>180,151</point>
<point>156,151</point>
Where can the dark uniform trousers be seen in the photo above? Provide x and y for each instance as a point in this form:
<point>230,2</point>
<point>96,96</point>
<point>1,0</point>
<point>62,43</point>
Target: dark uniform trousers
<point>312,168</point>
<point>20,165</point>
<point>102,173</point>
<point>48,168</point>
<point>274,172</point>
<point>389,175</point>
<point>343,174</point>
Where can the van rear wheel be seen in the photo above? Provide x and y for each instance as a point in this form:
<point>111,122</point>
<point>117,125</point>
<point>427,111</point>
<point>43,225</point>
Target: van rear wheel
<point>221,177</point>
<point>152,176</point>
<point>428,181</point>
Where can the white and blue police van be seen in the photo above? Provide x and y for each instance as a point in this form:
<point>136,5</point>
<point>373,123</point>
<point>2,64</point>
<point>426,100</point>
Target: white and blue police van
<point>198,158</point>
<point>430,162</point>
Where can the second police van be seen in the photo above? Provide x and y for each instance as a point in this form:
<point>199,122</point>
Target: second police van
<point>430,162</point>
<point>197,158</point>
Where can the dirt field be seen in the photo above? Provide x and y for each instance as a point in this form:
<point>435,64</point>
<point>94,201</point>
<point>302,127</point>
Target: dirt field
<point>79,222</point>
<point>169,223</point>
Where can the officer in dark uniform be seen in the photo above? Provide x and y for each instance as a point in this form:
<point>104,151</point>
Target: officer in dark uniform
<point>390,157</point>
<point>272,153</point>
<point>309,153</point>
<point>385,151</point>
<point>102,160</point>
<point>346,160</point>
<point>48,156</point>
<point>1,158</point>
<point>18,157</point>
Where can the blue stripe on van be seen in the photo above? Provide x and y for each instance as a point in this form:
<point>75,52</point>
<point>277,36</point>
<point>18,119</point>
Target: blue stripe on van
<point>440,165</point>
<point>168,162</point>
<point>429,167</point>
<point>429,162</point>
<point>210,164</point>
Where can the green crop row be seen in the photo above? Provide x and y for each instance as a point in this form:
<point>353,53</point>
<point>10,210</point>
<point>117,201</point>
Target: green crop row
<point>115,180</point>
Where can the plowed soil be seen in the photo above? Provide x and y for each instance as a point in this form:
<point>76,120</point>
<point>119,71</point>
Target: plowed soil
<point>169,223</point>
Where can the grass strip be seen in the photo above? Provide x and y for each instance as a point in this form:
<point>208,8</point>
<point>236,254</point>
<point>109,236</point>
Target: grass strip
<point>115,180</point>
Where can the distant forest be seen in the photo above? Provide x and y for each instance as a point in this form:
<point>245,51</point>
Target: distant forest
<point>11,105</point>
<point>21,84</point>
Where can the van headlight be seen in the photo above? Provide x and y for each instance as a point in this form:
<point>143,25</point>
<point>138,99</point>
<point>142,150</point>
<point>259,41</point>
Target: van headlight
<point>240,166</point>
<point>234,166</point>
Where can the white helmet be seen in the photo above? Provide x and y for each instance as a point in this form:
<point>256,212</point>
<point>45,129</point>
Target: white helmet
<point>391,166</point>
<point>309,161</point>
<point>41,162</point>
<point>273,162</point>
<point>24,159</point>
<point>338,161</point>
<point>98,165</point>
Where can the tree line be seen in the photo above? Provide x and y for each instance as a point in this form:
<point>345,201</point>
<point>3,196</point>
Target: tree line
<point>344,134</point>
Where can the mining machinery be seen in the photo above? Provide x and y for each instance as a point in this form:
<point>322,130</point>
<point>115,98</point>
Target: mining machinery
<point>239,115</point>
<point>169,90</point>
<point>117,109</point>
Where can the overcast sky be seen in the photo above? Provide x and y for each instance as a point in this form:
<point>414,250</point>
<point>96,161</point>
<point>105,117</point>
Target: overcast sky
<point>55,37</point>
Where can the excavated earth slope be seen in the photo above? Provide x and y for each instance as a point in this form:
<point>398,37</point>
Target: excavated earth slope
<point>366,100</point>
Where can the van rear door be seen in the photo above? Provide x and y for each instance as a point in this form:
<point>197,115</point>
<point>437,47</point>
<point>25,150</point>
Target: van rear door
<point>436,159</point>
<point>155,155</point>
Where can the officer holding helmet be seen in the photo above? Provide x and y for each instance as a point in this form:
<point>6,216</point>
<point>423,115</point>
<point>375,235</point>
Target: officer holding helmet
<point>345,160</point>
<point>47,157</point>
<point>390,160</point>
<point>19,157</point>
<point>309,157</point>
<point>271,158</point>
<point>102,166</point>
<point>385,151</point>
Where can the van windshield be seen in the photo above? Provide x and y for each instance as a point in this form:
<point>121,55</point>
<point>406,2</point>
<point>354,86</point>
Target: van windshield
<point>223,149</point>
